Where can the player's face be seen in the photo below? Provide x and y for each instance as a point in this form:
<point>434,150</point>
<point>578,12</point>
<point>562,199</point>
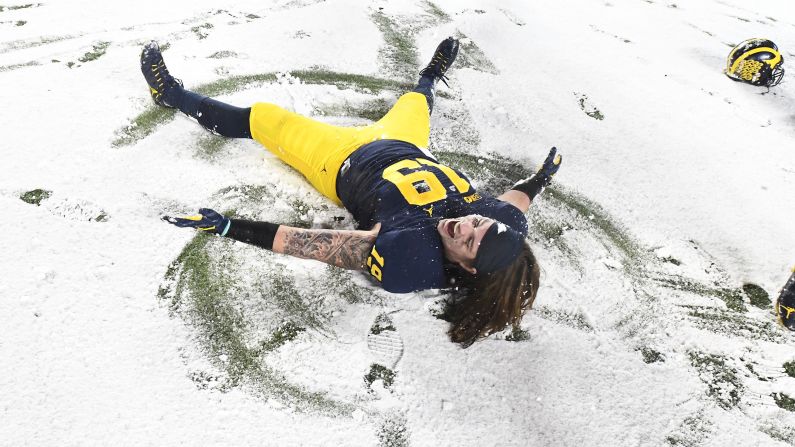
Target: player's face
<point>461,238</point>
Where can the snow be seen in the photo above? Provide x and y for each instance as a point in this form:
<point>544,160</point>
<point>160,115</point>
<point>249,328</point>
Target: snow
<point>696,168</point>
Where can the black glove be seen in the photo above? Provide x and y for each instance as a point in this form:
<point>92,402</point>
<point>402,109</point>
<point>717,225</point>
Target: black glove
<point>536,183</point>
<point>207,220</point>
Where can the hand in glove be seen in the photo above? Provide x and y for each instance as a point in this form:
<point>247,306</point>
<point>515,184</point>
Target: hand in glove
<point>207,220</point>
<point>550,166</point>
<point>536,183</point>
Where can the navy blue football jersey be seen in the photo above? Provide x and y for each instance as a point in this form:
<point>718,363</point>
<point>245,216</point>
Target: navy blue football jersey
<point>408,191</point>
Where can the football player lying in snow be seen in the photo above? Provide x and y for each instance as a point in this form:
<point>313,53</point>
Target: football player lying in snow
<point>422,223</point>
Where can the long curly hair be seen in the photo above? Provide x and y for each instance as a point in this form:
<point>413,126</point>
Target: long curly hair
<point>483,304</point>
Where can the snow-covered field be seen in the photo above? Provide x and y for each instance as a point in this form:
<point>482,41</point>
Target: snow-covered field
<point>666,235</point>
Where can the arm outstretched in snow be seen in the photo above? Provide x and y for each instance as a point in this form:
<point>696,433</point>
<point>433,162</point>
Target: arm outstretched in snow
<point>521,195</point>
<point>347,249</point>
<point>343,248</point>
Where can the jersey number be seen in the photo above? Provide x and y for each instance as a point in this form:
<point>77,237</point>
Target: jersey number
<point>432,191</point>
<point>375,267</point>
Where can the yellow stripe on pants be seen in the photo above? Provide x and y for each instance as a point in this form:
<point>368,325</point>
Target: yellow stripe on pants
<point>317,150</point>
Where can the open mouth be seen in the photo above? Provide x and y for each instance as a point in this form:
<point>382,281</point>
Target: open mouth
<point>449,228</point>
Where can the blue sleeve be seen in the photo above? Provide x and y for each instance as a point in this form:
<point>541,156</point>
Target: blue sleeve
<point>407,260</point>
<point>501,211</point>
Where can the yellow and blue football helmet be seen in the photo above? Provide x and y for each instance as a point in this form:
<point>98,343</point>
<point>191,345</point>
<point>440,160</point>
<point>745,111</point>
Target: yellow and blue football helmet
<point>756,62</point>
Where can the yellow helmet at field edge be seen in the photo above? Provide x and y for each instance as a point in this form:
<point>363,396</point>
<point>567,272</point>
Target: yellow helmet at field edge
<point>755,62</point>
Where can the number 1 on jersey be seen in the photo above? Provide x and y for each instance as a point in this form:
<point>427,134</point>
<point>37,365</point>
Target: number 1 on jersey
<point>375,267</point>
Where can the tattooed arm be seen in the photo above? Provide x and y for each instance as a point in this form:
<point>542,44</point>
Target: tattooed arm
<point>343,248</point>
<point>348,249</point>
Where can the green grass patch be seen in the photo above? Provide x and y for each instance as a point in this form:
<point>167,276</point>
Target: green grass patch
<point>202,288</point>
<point>728,322</point>
<point>25,44</point>
<point>471,56</point>
<point>651,356</point>
<point>98,50</point>
<point>205,380</point>
<point>571,319</point>
<point>549,229</point>
<point>382,323</point>
<point>305,308</point>
<point>436,12</point>
<point>517,334</point>
<point>757,374</point>
<point>779,432</point>
<point>247,201</point>
<point>784,401</point>
<point>393,430</point>
<point>222,54</point>
<point>13,67</point>
<point>458,130</point>
<point>356,82</point>
<point>143,125</point>
<point>210,146</point>
<point>693,431</point>
<point>201,31</point>
<point>285,333</point>
<point>379,372</point>
<point>247,193</point>
<point>515,20</point>
<point>16,7</point>
<point>722,381</point>
<point>300,212</point>
<point>101,217</point>
<point>234,83</point>
<point>757,295</point>
<point>342,283</point>
<point>594,215</point>
<point>399,55</point>
<point>733,298</point>
<point>36,196</point>
<point>588,108</point>
<point>789,368</point>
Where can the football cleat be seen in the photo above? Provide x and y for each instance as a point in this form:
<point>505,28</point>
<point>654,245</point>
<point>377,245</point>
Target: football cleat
<point>785,305</point>
<point>443,58</point>
<point>156,74</point>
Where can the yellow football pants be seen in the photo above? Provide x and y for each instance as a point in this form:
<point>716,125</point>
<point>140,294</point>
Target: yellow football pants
<point>317,150</point>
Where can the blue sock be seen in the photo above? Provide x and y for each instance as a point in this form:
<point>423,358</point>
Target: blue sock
<point>427,86</point>
<point>186,101</point>
<point>219,117</point>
